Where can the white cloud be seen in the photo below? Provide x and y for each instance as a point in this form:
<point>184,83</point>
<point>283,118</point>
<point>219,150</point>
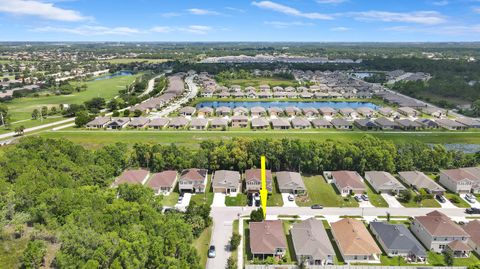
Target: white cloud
<point>331,1</point>
<point>171,14</point>
<point>441,3</point>
<point>291,11</point>
<point>88,30</point>
<point>161,29</point>
<point>420,17</point>
<point>200,11</point>
<point>235,9</point>
<point>196,29</point>
<point>476,10</point>
<point>40,9</point>
<point>340,29</point>
<point>286,24</point>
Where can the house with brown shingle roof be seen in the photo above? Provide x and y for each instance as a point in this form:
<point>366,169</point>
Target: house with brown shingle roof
<point>193,180</point>
<point>163,182</point>
<point>355,242</point>
<point>267,239</point>
<point>473,229</point>
<point>437,232</point>
<point>348,182</point>
<point>461,180</point>
<point>132,176</point>
<point>253,180</point>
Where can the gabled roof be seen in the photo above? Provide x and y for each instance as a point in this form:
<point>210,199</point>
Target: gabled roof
<point>187,109</point>
<point>470,173</point>
<point>178,121</point>
<point>384,122</point>
<point>320,122</point>
<point>139,121</point>
<point>346,179</point>
<point>259,122</point>
<point>99,121</point>
<point>199,122</point>
<point>397,237</point>
<point>193,174</point>
<point>219,122</point>
<point>290,180</point>
<point>280,122</point>
<point>310,239</point>
<point>457,245</point>
<point>162,179</point>
<point>438,224</point>
<point>225,179</point>
<point>353,238</point>
<point>473,229</point>
<point>255,174</point>
<point>302,122</point>
<point>267,236</point>
<point>341,122</point>
<point>384,179</point>
<point>449,123</point>
<point>420,181</point>
<point>132,176</point>
<point>158,122</point>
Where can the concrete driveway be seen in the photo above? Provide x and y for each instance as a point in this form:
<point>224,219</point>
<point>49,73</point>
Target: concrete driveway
<point>476,204</point>
<point>185,202</point>
<point>447,204</point>
<point>218,200</point>
<point>365,204</point>
<point>391,200</point>
<point>286,202</point>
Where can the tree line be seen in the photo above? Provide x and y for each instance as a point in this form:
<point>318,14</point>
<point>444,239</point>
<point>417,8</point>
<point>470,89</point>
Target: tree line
<point>312,157</point>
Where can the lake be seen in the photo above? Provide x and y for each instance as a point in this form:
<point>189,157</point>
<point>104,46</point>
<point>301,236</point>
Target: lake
<point>318,104</point>
<point>116,74</point>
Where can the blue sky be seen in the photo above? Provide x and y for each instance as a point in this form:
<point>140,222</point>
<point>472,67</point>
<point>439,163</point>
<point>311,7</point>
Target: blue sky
<point>240,20</point>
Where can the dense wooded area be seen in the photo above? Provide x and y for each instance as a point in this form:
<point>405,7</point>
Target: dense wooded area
<point>56,192</point>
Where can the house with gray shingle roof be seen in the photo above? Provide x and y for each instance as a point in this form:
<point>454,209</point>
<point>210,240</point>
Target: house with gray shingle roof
<point>321,123</point>
<point>397,240</point>
<point>138,122</point>
<point>187,111</point>
<point>118,122</point>
<point>419,180</point>
<point>198,124</point>
<point>240,111</point>
<point>258,111</point>
<point>342,124</point>
<point>158,123</point>
<point>406,124</point>
<point>365,124</point>
<point>451,124</point>
<point>311,242</point>
<point>290,182</point>
<point>239,121</point>
<point>385,111</point>
<point>274,111</point>
<point>223,111</point>
<point>259,123</point>
<point>327,111</point>
<point>98,122</point>
<point>469,122</point>
<point>280,124</point>
<point>216,123</point>
<point>178,122</point>
<point>386,124</point>
<point>301,123</point>
<point>383,182</point>
<point>226,181</point>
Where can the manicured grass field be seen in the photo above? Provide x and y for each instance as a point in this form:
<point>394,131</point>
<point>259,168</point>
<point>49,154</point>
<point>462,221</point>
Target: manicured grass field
<point>206,197</point>
<point>30,123</point>
<point>201,244</point>
<point>457,200</point>
<point>255,82</point>
<point>375,198</point>
<point>275,197</point>
<point>171,199</point>
<point>290,254</point>
<point>425,203</point>
<point>95,139</point>
<point>437,259</point>
<point>239,200</point>
<point>134,60</point>
<point>21,108</point>
<point>320,192</point>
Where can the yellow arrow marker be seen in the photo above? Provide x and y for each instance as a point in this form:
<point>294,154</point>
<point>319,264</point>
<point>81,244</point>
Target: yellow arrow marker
<point>263,190</point>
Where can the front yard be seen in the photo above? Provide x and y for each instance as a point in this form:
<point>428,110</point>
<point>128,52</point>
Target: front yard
<point>375,198</point>
<point>320,192</point>
<point>206,197</point>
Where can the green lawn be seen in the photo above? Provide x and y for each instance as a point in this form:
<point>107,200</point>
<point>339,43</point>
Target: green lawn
<point>201,244</point>
<point>21,108</point>
<point>30,123</point>
<point>274,197</point>
<point>437,259</point>
<point>206,197</point>
<point>338,260</point>
<point>171,199</point>
<point>247,254</point>
<point>95,139</point>
<point>320,192</point>
<point>459,202</point>
<point>375,198</point>
<point>239,200</point>
<point>425,203</point>
<point>290,254</point>
<point>255,82</point>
